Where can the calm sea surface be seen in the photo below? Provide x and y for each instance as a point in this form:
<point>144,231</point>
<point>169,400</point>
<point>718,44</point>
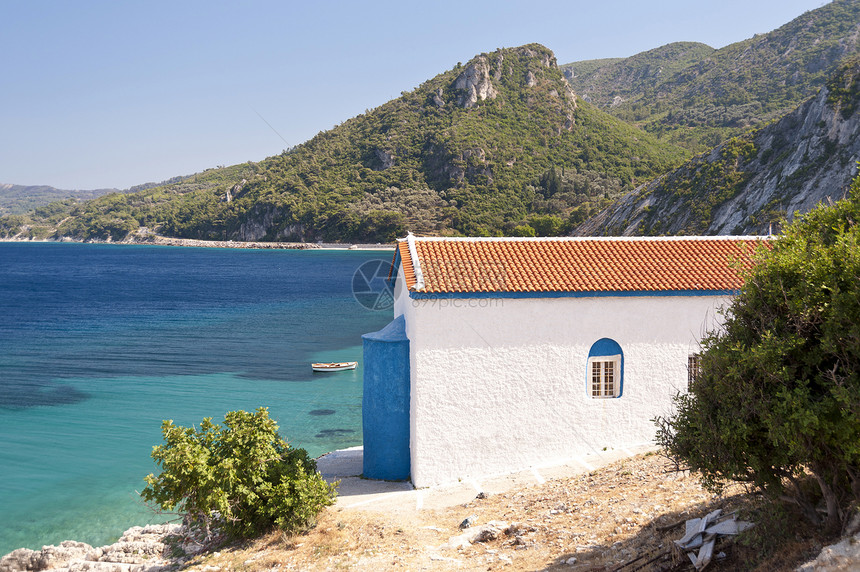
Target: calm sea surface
<point>99,343</point>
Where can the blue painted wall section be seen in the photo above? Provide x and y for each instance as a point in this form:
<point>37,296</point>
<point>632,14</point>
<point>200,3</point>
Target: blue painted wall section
<point>385,405</point>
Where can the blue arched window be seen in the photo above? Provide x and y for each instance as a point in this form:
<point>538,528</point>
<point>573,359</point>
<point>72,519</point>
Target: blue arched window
<point>605,369</point>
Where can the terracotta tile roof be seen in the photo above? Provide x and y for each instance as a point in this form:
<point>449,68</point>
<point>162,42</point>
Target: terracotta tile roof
<point>472,265</point>
<point>408,268</point>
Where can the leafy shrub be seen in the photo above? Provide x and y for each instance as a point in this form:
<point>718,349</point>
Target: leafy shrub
<point>779,392</point>
<point>547,225</point>
<point>243,476</point>
<point>844,87</point>
<point>523,230</point>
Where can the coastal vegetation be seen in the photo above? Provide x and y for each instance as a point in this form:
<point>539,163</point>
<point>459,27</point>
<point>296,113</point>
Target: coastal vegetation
<point>776,402</point>
<point>242,477</point>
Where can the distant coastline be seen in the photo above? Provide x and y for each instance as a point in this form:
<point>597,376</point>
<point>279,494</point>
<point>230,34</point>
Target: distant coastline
<point>157,240</point>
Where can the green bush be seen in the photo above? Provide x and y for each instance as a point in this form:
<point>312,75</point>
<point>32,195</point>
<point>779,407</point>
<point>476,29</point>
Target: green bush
<point>243,476</point>
<point>547,225</point>
<point>778,396</point>
<point>523,230</point>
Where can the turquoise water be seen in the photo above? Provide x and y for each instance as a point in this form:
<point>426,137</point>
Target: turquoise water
<point>99,343</point>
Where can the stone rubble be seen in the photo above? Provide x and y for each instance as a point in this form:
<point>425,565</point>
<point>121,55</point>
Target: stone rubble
<point>151,548</point>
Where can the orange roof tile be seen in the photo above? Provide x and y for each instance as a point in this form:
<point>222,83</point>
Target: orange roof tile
<point>472,265</point>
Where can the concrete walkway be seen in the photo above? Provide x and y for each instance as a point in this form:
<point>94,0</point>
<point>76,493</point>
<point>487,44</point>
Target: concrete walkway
<point>356,492</point>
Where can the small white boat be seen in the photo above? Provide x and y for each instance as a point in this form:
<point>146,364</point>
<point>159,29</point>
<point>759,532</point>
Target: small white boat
<point>334,366</point>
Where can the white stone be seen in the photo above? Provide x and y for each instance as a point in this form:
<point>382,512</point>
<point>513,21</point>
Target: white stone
<point>843,556</point>
<point>475,81</point>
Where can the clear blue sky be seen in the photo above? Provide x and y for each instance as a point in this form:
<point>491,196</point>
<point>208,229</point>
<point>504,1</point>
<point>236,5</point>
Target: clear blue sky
<point>99,94</point>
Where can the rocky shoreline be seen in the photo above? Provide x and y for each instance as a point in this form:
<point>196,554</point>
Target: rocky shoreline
<point>151,548</point>
<point>158,240</point>
<point>168,241</point>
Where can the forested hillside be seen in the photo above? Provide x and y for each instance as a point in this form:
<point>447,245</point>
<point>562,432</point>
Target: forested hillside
<point>500,145</point>
<point>98,219</point>
<point>695,96</point>
<point>19,199</point>
<point>753,182</point>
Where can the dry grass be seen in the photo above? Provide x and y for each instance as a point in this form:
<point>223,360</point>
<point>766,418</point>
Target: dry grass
<point>622,517</point>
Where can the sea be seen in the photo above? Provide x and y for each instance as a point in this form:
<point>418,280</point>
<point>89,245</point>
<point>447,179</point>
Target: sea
<point>99,343</point>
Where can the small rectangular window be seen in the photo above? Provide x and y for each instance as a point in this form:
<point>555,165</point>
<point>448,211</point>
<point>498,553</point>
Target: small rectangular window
<point>604,376</point>
<point>694,368</point>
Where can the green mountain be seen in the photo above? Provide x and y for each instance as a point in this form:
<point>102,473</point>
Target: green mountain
<point>500,145</point>
<point>695,96</point>
<point>19,199</point>
<point>751,183</point>
<point>611,82</point>
<point>74,209</point>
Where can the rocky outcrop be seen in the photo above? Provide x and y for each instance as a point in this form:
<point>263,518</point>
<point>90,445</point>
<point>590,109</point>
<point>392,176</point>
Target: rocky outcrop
<point>152,548</point>
<point>386,159</point>
<point>546,58</point>
<point>528,76</point>
<point>257,225</point>
<point>437,98</point>
<point>475,83</point>
<point>843,556</point>
<point>50,557</point>
<point>235,191</point>
<point>475,160</point>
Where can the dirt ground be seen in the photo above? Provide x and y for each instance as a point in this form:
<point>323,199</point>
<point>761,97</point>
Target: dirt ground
<point>621,517</point>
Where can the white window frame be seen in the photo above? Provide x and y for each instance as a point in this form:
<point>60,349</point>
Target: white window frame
<point>604,387</point>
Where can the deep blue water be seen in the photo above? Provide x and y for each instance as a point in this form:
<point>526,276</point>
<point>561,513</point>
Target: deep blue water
<point>99,343</point>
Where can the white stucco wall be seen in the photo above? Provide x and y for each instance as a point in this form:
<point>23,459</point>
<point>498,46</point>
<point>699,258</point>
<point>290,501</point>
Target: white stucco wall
<point>499,385</point>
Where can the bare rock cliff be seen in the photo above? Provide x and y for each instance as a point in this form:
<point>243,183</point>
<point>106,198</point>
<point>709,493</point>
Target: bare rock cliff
<point>475,82</point>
